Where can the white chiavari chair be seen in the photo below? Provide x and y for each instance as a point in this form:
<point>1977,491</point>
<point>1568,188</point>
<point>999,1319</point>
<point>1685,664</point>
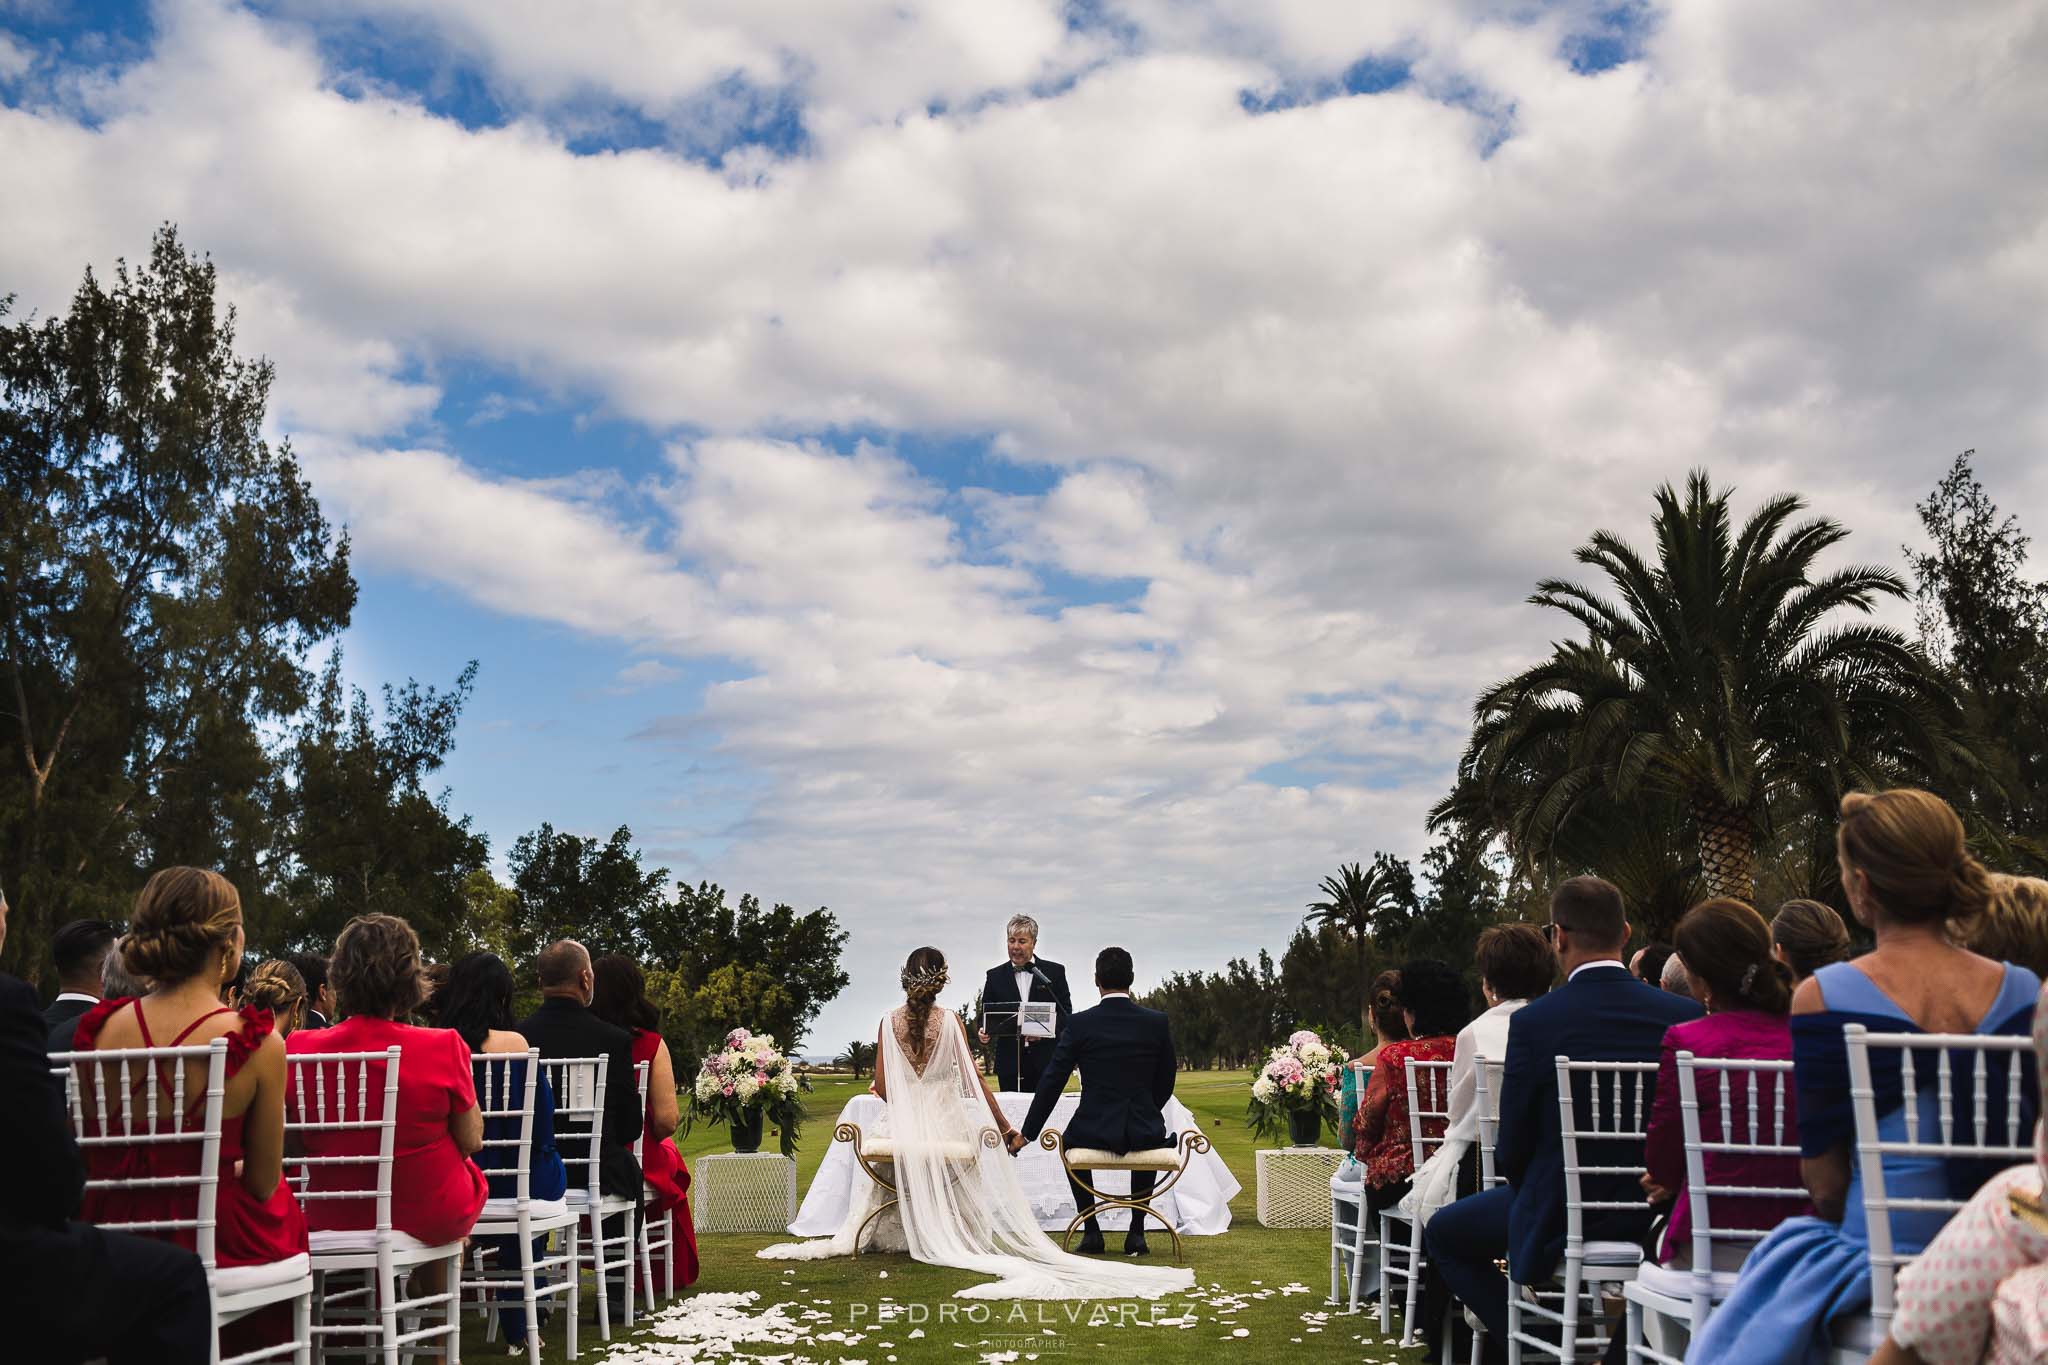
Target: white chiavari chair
<point>1351,1232</point>
<point>140,1100</point>
<point>1429,1107</point>
<point>579,1086</point>
<point>506,1084</point>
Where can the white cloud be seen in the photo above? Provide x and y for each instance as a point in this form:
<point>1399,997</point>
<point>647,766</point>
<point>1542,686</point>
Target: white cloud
<point>1316,393</point>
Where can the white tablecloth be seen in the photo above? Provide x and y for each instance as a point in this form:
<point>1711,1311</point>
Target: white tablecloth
<point>1199,1203</point>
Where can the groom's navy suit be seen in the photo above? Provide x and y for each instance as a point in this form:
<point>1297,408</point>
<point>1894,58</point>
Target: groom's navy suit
<point>1603,1014</point>
<point>1125,1053</point>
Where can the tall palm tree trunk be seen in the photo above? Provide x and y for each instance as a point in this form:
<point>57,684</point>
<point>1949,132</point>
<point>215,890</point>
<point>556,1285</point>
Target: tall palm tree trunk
<point>1727,848</point>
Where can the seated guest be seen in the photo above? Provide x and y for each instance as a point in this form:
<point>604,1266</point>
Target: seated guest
<point>622,1002</point>
<point>275,986</point>
<point>1674,977</point>
<point>1601,1013</point>
<point>312,969</point>
<point>74,1291</point>
<point>1433,1009</point>
<point>476,1003</point>
<point>1746,993</point>
<point>1385,1009</point>
<point>1647,966</point>
<point>436,1190</point>
<point>1516,966</point>
<point>563,1026</point>
<point>2014,927</point>
<point>1980,1290</point>
<point>1806,936</point>
<point>115,984</point>
<point>185,938</point>
<point>1909,877</point>
<point>81,949</point>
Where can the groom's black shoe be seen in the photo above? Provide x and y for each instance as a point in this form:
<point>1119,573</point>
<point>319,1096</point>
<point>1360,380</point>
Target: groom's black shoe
<point>1091,1240</point>
<point>1134,1244</point>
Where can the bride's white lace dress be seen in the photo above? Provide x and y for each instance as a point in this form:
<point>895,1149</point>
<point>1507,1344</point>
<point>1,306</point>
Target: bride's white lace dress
<point>961,1202</point>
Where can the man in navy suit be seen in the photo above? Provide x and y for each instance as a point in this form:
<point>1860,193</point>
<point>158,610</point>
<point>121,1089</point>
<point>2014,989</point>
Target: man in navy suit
<point>1026,976</point>
<point>1125,1053</point>
<point>1601,1013</point>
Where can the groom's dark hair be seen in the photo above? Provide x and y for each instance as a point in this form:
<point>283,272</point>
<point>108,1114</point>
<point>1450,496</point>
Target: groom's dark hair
<point>1113,970</point>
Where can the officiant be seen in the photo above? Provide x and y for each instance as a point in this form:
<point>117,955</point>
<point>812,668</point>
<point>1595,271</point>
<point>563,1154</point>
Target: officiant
<point>1026,977</point>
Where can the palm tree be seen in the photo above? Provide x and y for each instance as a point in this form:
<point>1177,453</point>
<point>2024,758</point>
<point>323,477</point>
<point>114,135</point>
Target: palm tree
<point>858,1055</point>
<point>1351,901</point>
<point>1719,683</point>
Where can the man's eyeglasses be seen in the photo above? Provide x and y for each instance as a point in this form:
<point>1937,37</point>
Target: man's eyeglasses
<point>1550,932</point>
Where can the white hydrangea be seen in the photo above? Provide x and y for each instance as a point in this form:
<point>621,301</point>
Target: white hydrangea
<point>746,1087</point>
<point>1263,1089</point>
<point>706,1087</point>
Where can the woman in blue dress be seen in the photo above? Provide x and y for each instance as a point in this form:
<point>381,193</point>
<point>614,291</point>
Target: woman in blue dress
<point>1911,880</point>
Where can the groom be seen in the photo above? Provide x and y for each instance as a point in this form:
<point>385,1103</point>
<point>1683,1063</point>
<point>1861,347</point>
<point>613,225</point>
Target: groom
<point>1125,1053</point>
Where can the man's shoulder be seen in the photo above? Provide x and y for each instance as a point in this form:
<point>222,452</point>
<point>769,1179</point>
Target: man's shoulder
<point>1050,967</point>
<point>16,993</point>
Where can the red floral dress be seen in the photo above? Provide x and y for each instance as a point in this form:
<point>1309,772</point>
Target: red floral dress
<point>1380,1132</point>
<point>248,1230</point>
<point>666,1176</point>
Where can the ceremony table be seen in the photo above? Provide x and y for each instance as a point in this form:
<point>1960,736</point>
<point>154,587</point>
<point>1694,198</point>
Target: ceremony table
<point>1199,1204</point>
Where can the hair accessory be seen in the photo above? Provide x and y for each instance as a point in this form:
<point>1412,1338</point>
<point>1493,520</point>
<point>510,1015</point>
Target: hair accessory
<point>1748,979</point>
<point>931,977</point>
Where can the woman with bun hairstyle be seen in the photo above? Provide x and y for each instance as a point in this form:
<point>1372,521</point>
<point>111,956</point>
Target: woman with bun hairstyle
<point>1911,881</point>
<point>1806,936</point>
<point>1747,994</point>
<point>276,986</point>
<point>185,938</point>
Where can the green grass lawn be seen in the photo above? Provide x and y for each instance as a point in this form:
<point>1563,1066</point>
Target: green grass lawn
<point>840,1310</point>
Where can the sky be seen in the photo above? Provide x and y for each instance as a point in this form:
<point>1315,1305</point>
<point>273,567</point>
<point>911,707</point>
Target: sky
<point>938,461</point>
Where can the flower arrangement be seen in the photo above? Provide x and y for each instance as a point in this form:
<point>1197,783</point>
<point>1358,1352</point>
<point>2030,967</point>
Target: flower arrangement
<point>1297,1088</point>
<point>743,1081</point>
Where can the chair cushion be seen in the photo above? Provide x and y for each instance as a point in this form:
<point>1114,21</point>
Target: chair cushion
<point>1613,1253</point>
<point>496,1210</point>
<point>606,1203</point>
<point>1858,1333</point>
<point>1095,1159</point>
<point>1677,1284</point>
<point>240,1279</point>
<point>360,1239</point>
<point>886,1148</point>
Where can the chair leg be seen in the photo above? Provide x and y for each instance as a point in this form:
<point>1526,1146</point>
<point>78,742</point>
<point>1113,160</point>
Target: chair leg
<point>1386,1281</point>
<point>575,1284</point>
<point>646,1240</point>
<point>1408,1332</point>
<point>604,1311</point>
<point>1632,1320</point>
<point>387,1307</point>
<point>1514,1323</point>
<point>302,1330</point>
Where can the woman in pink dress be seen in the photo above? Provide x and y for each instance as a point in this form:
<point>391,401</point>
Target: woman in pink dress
<point>621,1001</point>
<point>1747,993</point>
<point>436,1190</point>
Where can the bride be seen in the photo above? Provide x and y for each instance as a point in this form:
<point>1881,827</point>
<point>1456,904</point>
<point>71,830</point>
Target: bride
<point>961,1202</point>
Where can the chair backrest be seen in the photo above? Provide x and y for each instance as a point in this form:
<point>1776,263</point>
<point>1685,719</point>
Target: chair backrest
<point>1984,1131</point>
<point>505,1086</point>
<point>340,1093</point>
<point>137,1100</point>
<point>1429,1106</point>
<point>1709,1089</point>
<point>1603,1125</point>
<point>579,1084</point>
<point>643,1075</point>
<point>1486,1082</point>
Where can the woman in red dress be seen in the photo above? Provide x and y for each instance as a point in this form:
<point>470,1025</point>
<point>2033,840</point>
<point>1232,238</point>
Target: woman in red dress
<point>186,936</point>
<point>436,1190</point>
<point>621,1000</point>
<point>1434,1005</point>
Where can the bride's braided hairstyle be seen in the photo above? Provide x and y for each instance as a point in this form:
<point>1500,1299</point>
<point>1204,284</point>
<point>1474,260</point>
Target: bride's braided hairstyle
<point>924,976</point>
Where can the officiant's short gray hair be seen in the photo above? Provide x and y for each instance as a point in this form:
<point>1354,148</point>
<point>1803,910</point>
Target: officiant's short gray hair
<point>1024,922</point>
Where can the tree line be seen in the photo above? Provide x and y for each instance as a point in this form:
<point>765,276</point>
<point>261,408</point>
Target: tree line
<point>171,690</point>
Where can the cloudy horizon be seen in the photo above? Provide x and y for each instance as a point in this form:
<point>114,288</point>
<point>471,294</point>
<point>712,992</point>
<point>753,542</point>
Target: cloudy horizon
<point>1077,458</point>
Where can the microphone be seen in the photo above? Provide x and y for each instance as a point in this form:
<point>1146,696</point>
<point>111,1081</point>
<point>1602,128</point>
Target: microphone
<point>1043,979</point>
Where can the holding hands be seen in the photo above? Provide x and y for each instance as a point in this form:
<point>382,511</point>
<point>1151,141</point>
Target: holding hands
<point>1015,1142</point>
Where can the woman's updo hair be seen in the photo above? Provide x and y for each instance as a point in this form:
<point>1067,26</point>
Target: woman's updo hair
<point>375,970</point>
<point>275,986</point>
<point>1910,845</point>
<point>1386,1008</point>
<point>924,976</point>
<point>2014,927</point>
<point>183,920</point>
<point>1726,946</point>
<point>1436,995</point>
<point>1811,934</point>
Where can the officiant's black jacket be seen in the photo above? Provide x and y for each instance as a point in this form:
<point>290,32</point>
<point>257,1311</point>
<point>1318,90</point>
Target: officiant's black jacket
<point>565,1028</point>
<point>1125,1053</point>
<point>1001,988</point>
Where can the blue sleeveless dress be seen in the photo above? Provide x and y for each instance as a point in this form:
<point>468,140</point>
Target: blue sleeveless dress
<point>1810,1271</point>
